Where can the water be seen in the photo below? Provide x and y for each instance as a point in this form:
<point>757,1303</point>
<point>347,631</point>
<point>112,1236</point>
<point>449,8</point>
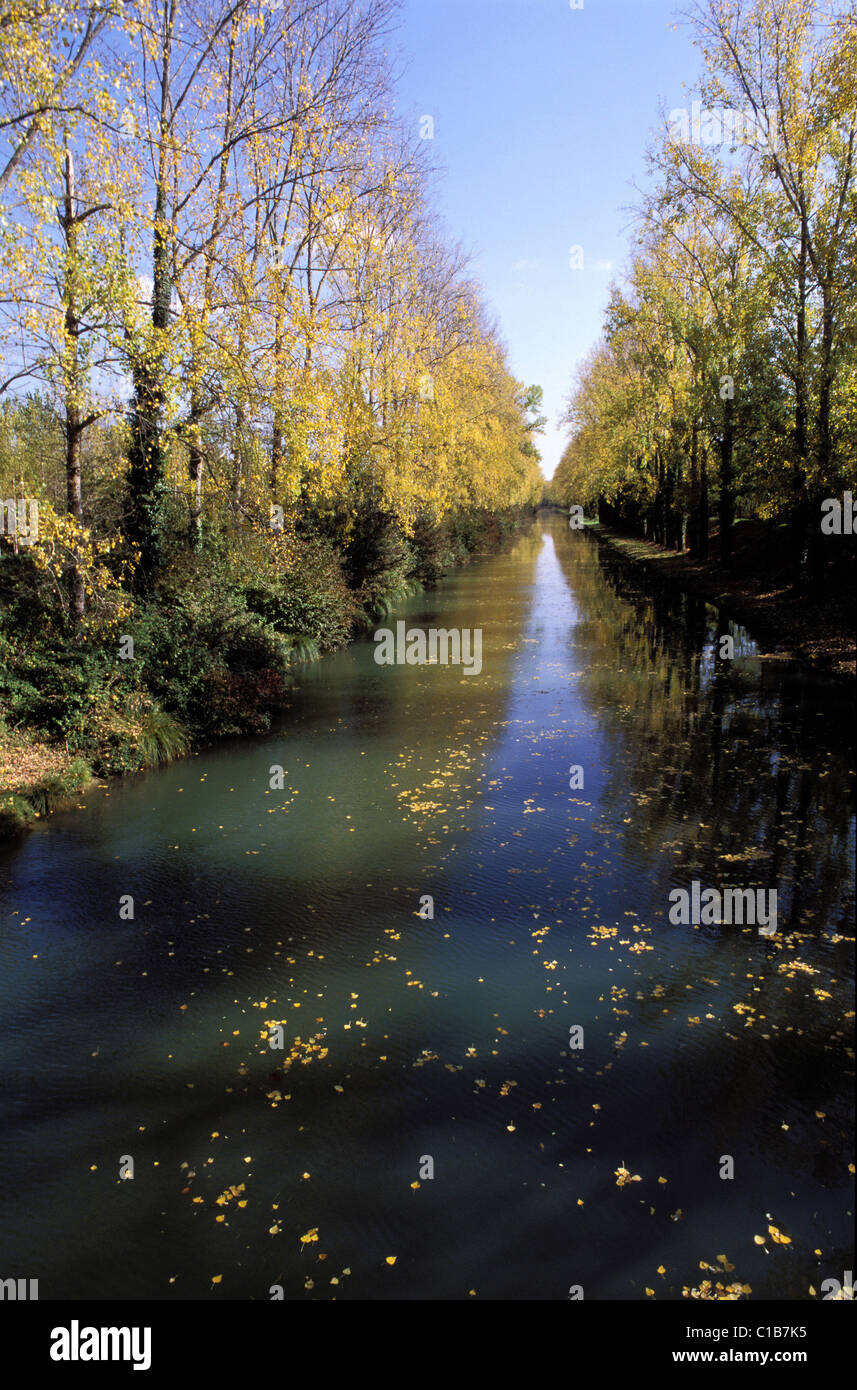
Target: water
<point>448,1039</point>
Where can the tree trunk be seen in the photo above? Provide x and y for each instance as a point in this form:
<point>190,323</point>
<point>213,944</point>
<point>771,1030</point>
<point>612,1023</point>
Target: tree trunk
<point>815,548</point>
<point>799,500</point>
<point>702,532</point>
<point>277,430</point>
<point>73,426</point>
<point>726,513</point>
<point>194,471</point>
<point>693,519</point>
<point>238,459</point>
<point>147,464</point>
<point>197,410</point>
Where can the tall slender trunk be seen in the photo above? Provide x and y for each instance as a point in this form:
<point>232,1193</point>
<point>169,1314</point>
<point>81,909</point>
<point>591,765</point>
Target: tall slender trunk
<point>277,425</point>
<point>824,474</point>
<point>238,458</point>
<point>671,520</point>
<point>702,532</point>
<point>197,406</point>
<point>799,499</point>
<point>659,497</point>
<point>726,512</point>
<point>72,384</point>
<point>147,463</point>
<point>194,469</point>
<point>693,519</point>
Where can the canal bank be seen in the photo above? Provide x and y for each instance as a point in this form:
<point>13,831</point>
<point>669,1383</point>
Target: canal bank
<point>68,722</point>
<point>818,631</point>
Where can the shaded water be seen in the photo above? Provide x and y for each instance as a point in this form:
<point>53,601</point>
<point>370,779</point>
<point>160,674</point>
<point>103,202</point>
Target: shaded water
<point>449,1038</point>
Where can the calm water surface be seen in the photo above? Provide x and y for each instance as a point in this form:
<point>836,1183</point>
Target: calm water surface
<point>448,1039</point>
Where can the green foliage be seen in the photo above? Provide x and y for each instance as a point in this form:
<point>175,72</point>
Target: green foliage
<point>217,638</point>
<point>211,663</point>
<point>47,685</point>
<point>314,619</point>
<point>57,787</point>
<point>20,808</point>
<point>384,601</point>
<point>16,814</point>
<point>162,739</point>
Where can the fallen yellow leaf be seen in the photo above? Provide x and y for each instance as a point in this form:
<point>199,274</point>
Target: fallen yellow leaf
<point>777,1236</point>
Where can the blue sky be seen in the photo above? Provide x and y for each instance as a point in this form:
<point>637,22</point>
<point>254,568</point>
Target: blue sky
<point>541,118</point>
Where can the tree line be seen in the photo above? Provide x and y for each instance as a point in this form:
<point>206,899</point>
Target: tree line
<point>223,280</point>
<point>247,378</point>
<point>725,382</point>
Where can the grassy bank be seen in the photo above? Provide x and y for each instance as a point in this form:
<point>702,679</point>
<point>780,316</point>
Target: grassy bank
<point>815,628</point>
<point>35,779</point>
<point>209,653</point>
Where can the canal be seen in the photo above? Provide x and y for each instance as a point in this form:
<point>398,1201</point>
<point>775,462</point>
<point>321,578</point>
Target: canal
<point>548,1086</point>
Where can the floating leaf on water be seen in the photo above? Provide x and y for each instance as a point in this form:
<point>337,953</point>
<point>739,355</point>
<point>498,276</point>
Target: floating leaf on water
<point>777,1236</point>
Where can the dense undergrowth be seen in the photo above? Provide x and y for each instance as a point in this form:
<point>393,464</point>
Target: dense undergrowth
<point>215,646</point>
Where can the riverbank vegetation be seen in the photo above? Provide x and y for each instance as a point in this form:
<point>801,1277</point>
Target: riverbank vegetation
<point>249,397</point>
<point>721,401</point>
<point>812,625</point>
